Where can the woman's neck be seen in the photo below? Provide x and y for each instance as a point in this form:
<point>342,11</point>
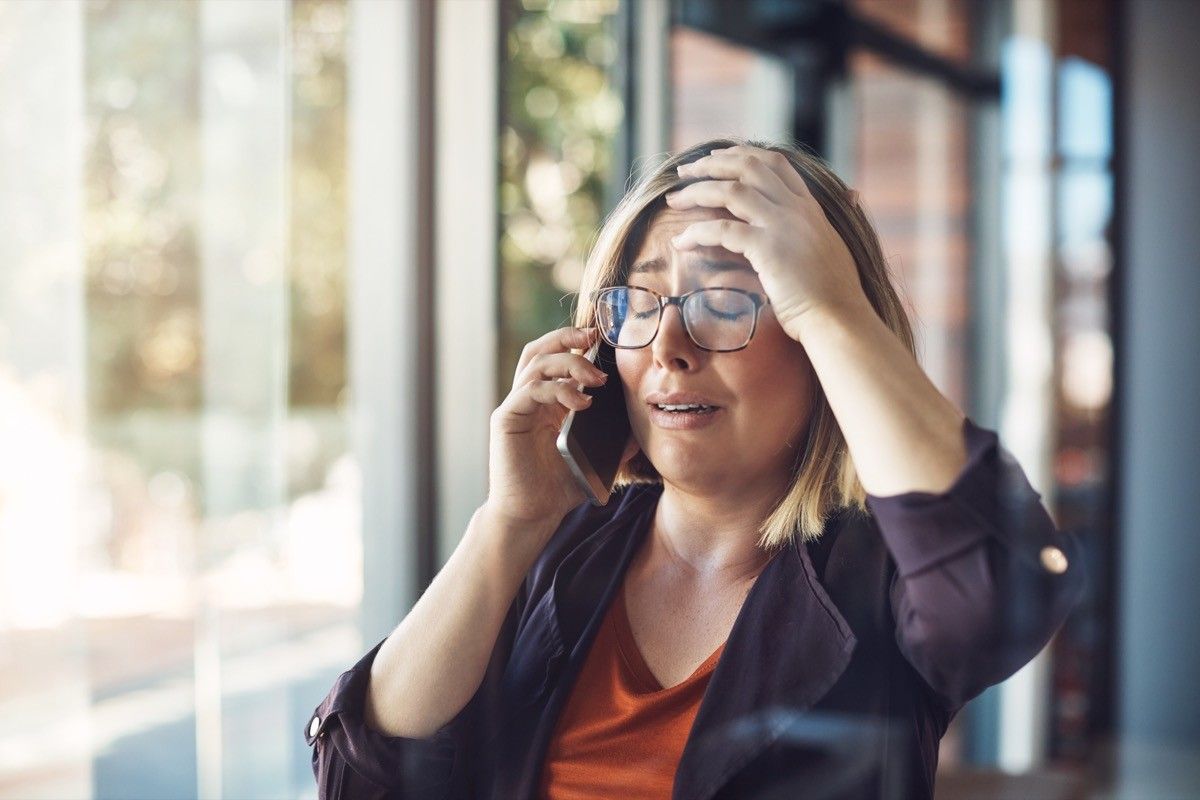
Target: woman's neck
<point>708,540</point>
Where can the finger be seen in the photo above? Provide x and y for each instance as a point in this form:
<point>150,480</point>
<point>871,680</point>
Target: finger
<point>734,236</point>
<point>744,168</point>
<point>743,201</point>
<point>562,365</point>
<point>556,341</point>
<point>531,398</point>
<point>756,159</point>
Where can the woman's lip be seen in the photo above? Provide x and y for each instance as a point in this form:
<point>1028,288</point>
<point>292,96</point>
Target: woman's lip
<point>679,398</point>
<point>677,421</point>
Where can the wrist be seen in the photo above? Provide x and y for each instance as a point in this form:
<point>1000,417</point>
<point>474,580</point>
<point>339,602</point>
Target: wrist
<point>824,318</point>
<point>509,539</point>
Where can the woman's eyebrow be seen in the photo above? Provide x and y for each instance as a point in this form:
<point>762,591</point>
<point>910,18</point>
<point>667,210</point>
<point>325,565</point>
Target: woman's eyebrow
<point>707,265</point>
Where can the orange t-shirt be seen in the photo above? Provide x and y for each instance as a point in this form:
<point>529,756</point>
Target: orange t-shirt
<point>621,733</point>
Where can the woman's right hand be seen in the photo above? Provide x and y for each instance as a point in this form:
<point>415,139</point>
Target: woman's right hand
<point>529,484</point>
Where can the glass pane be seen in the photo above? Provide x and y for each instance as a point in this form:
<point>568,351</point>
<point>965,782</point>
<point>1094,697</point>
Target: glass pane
<point>562,115</point>
<point>48,511</point>
<point>939,26</point>
<point>719,88</point>
<point>1085,355</point>
<point>912,172</point>
<point>183,576</point>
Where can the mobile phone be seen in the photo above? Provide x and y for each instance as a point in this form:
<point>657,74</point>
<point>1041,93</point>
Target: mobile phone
<point>592,440</point>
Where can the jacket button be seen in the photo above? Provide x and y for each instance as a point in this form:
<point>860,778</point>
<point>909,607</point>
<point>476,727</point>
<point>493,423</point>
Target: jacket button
<point>314,726</point>
<point>1054,560</point>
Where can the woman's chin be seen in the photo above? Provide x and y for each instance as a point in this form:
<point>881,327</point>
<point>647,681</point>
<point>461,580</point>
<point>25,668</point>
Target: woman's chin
<point>687,470</point>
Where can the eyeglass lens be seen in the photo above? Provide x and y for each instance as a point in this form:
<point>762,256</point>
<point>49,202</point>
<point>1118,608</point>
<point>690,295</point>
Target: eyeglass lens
<point>718,319</point>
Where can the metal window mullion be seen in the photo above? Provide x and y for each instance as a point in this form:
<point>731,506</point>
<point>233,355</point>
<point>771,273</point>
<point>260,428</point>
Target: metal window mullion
<point>387,65</point>
<point>466,255</point>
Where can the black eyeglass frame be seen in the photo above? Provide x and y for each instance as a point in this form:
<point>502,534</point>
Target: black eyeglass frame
<point>678,300</point>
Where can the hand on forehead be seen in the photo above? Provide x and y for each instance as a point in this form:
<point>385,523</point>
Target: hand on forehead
<point>658,257</point>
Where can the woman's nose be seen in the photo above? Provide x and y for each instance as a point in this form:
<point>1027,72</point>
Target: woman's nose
<point>672,345</point>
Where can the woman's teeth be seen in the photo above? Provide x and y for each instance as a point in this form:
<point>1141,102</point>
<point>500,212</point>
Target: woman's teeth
<point>691,407</point>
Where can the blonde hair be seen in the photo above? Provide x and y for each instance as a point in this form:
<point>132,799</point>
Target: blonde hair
<point>823,478</point>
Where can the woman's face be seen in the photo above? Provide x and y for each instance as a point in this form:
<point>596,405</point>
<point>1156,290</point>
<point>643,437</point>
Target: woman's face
<point>763,391</point>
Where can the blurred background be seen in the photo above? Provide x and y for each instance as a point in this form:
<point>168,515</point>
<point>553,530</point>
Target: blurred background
<point>266,268</point>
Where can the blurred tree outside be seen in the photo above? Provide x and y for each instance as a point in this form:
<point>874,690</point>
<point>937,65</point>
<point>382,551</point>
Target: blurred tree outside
<point>143,172</point>
<point>561,111</point>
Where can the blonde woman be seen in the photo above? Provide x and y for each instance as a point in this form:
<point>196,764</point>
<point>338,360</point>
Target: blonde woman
<point>812,561</point>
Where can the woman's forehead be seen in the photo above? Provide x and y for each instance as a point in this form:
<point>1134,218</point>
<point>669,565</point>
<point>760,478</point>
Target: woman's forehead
<point>703,261</point>
<point>656,246</point>
<point>669,221</point>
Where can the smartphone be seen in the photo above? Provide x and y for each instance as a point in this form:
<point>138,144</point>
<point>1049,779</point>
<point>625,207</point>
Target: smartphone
<point>592,441</point>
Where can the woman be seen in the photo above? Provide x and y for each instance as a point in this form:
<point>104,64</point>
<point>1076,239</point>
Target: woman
<point>800,580</point>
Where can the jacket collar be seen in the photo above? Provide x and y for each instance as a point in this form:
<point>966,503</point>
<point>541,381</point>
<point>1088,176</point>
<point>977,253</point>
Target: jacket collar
<point>788,646</point>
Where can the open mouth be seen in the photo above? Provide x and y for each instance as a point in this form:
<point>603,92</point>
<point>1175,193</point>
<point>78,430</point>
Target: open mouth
<point>684,417</point>
<point>687,408</point>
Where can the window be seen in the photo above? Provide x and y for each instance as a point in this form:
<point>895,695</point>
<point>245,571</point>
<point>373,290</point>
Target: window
<point>183,554</point>
<point>563,114</point>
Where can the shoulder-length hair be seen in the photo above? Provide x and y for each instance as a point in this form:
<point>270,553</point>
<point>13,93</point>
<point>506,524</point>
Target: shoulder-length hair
<point>823,477</point>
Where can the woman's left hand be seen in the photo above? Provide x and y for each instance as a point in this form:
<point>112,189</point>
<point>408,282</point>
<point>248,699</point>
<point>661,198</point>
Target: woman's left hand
<point>801,261</point>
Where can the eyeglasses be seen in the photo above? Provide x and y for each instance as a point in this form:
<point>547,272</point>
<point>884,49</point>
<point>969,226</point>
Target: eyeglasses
<point>718,319</point>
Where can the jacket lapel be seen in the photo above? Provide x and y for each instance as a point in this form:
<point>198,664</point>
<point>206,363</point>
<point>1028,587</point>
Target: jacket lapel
<point>787,648</point>
<point>583,585</point>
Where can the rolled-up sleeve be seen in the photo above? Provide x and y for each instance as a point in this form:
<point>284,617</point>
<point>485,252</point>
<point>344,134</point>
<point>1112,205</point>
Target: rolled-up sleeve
<point>984,578</point>
<point>351,760</point>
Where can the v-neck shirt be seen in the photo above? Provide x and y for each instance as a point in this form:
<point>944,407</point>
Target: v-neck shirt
<point>622,732</point>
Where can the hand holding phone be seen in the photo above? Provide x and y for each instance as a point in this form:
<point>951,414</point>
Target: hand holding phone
<point>593,439</point>
<point>529,486</point>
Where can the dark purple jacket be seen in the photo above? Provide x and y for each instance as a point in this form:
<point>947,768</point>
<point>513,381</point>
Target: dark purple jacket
<point>849,657</point>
